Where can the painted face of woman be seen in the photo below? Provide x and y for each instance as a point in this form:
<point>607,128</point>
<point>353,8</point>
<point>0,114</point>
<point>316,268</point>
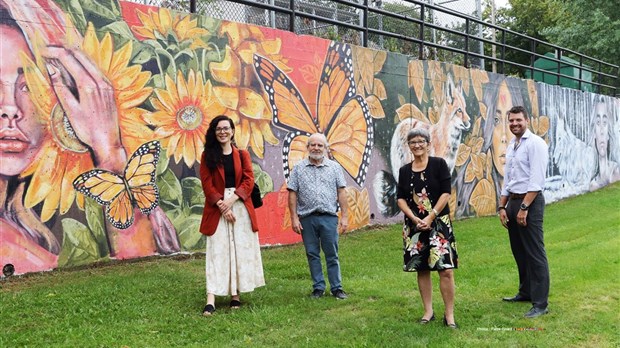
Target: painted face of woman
<point>21,132</point>
<point>501,135</point>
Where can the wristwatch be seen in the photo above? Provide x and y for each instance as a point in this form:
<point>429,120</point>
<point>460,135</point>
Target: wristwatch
<point>524,206</point>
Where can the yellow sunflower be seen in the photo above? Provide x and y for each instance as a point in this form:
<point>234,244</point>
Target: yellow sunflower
<point>236,73</point>
<point>182,114</point>
<point>129,84</point>
<point>164,22</point>
<point>64,156</point>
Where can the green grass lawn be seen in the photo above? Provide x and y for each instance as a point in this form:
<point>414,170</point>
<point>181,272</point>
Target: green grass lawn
<point>158,302</point>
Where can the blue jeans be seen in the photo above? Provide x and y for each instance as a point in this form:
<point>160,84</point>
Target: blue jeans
<point>321,231</point>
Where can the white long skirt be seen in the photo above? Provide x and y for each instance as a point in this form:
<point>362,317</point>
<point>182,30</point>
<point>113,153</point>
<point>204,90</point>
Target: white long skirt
<point>233,259</point>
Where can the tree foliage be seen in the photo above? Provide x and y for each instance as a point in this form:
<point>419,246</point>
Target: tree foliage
<point>590,27</point>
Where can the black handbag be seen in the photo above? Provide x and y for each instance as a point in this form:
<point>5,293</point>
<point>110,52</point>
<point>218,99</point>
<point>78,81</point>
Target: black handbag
<point>257,200</point>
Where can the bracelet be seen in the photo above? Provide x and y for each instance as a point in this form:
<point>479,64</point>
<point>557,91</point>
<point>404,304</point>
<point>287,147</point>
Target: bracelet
<point>500,208</point>
<point>435,212</point>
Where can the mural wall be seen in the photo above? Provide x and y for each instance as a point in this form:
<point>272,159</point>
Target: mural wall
<point>104,111</point>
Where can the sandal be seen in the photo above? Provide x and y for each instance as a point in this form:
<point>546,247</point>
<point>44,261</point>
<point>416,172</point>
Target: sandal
<point>426,321</point>
<point>209,309</point>
<point>453,326</point>
<point>235,304</point>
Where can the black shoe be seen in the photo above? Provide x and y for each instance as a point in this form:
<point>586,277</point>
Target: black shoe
<point>536,312</point>
<point>317,293</point>
<point>340,294</point>
<point>426,321</point>
<point>453,326</point>
<point>208,310</point>
<point>235,304</point>
<point>517,298</point>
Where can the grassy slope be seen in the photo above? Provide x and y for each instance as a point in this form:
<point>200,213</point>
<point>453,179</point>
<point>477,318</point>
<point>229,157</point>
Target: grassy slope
<point>157,303</point>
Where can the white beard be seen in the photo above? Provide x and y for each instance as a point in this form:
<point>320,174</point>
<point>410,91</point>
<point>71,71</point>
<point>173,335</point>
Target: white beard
<point>318,158</point>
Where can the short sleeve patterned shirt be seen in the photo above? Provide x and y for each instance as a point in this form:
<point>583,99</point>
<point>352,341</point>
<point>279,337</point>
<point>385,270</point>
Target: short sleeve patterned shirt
<point>316,186</point>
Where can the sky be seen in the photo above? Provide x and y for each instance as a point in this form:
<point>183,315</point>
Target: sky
<point>501,3</point>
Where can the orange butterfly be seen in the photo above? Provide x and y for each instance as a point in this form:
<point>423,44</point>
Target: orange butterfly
<point>342,115</point>
<point>119,194</point>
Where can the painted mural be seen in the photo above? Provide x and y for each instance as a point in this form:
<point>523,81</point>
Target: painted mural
<point>104,112</point>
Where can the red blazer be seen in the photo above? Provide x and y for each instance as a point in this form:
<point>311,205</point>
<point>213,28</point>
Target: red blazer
<point>213,185</point>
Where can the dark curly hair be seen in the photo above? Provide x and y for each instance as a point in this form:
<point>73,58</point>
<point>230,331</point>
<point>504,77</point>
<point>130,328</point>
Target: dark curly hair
<point>212,154</point>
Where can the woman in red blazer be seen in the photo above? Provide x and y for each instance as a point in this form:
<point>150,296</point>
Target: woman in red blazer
<point>233,260</point>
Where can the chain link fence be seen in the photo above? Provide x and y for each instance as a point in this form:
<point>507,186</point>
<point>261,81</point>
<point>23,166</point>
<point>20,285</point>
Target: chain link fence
<point>347,14</point>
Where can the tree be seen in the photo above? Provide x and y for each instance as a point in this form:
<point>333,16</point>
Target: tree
<point>590,27</point>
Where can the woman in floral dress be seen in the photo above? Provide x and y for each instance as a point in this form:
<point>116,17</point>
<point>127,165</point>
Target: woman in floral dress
<point>429,245</point>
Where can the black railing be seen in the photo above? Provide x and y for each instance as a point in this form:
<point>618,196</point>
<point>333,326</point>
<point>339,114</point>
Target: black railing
<point>359,16</point>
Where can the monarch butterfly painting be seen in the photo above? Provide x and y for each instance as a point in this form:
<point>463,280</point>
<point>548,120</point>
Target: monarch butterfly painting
<point>119,194</point>
<point>341,114</point>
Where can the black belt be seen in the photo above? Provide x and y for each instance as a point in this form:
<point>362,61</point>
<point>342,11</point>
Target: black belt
<point>319,213</point>
<point>517,196</point>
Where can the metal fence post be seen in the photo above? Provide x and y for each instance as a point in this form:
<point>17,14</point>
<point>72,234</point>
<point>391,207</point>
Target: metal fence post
<point>291,21</point>
<point>466,54</point>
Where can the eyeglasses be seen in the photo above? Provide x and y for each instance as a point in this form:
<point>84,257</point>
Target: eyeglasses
<point>223,129</point>
<point>416,142</point>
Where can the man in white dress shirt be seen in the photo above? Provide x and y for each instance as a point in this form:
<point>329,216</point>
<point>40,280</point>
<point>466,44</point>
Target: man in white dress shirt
<point>521,211</point>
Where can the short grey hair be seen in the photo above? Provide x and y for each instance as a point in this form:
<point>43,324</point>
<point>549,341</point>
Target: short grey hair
<point>320,136</point>
<point>419,132</point>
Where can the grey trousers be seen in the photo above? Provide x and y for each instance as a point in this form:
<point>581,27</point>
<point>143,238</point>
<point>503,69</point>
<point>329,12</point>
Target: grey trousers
<point>528,248</point>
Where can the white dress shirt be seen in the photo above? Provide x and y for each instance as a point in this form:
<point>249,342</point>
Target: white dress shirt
<point>526,164</point>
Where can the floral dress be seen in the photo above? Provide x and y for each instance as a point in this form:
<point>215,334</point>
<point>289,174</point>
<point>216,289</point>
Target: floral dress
<point>434,249</point>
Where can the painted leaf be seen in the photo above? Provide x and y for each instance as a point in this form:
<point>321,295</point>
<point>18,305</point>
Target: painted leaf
<point>78,245</point>
<point>415,77</point>
<point>96,223</point>
<point>193,196</point>
<point>170,192</point>
<point>483,110</point>
<point>483,198</point>
<point>283,205</point>
<point>359,208</point>
<point>262,179</point>
<point>475,168</point>
<point>162,164</point>
<point>310,74</point>
<point>478,77</point>
<point>376,109</point>
<point>477,144</point>
<point>379,89</point>
<point>489,165</point>
<point>410,111</point>
<point>452,202</point>
<point>461,74</point>
<point>401,99</point>
<point>189,235</point>
<point>433,114</point>
<point>543,125</point>
<point>379,61</point>
<point>462,154</point>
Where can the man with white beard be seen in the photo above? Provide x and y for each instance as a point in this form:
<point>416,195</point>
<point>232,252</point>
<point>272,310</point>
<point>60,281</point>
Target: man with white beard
<point>316,188</point>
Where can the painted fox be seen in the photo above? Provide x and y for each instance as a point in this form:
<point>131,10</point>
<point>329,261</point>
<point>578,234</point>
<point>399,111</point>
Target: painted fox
<point>446,136</point>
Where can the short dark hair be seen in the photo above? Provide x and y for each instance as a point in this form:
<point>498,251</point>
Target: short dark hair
<point>519,109</point>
